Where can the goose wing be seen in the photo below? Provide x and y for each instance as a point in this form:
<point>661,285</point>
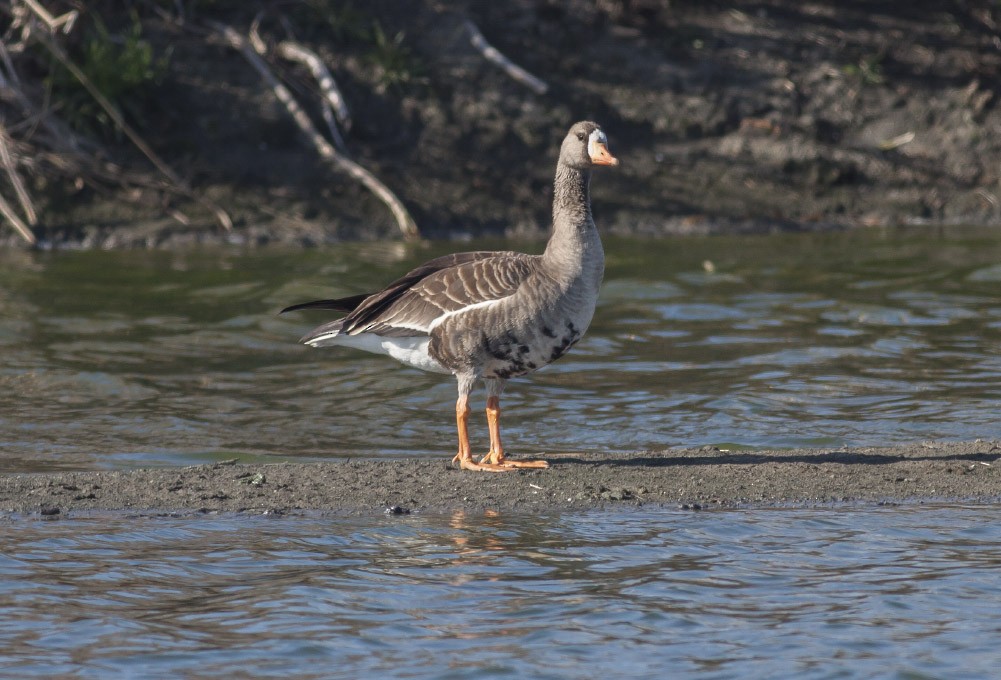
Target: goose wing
<point>411,305</point>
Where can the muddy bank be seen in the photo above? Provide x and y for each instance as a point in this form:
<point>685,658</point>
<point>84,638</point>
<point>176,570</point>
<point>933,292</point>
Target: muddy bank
<point>692,478</point>
<point>732,116</point>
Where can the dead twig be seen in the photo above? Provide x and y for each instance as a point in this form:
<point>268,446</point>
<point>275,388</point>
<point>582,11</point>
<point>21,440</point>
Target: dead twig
<point>65,21</point>
<point>492,54</point>
<point>333,101</point>
<point>8,72</point>
<point>7,160</point>
<point>243,44</point>
<point>10,83</point>
<point>8,211</point>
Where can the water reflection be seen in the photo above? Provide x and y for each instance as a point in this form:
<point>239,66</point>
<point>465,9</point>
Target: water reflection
<point>764,593</point>
<point>125,359</point>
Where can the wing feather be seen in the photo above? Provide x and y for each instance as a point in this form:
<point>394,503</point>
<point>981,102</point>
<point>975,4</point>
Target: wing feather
<point>345,304</point>
<point>411,305</point>
<point>449,290</point>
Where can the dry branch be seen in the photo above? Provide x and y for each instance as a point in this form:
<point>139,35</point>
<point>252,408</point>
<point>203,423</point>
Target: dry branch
<point>9,83</point>
<point>8,72</point>
<point>7,160</point>
<point>491,53</point>
<point>65,21</point>
<point>403,219</point>
<point>332,98</point>
<point>8,211</point>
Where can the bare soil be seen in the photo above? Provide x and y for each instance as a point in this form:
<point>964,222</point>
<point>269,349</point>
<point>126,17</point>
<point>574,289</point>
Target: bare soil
<point>751,115</point>
<point>688,478</point>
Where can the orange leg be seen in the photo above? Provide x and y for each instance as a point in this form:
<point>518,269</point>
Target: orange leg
<point>464,457</point>
<point>496,454</point>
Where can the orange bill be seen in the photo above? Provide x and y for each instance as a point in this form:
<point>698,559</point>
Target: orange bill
<point>600,154</point>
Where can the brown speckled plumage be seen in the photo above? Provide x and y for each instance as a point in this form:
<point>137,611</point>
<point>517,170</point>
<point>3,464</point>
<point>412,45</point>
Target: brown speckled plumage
<point>490,315</point>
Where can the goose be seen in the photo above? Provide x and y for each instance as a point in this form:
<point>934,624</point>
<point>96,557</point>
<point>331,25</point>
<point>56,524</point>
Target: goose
<point>489,315</point>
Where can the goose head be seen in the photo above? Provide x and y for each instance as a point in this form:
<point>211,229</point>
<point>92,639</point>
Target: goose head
<point>586,146</point>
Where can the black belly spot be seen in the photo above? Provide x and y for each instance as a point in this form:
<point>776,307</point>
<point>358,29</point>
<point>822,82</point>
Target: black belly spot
<point>558,351</point>
<point>548,332</point>
<point>498,350</point>
<point>566,343</point>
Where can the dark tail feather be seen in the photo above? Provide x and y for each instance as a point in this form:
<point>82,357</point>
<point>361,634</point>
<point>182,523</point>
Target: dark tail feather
<point>347,304</point>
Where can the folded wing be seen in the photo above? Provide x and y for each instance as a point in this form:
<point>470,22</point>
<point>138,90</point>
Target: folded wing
<point>412,305</point>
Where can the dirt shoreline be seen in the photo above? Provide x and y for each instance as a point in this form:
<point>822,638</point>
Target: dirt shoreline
<point>687,478</point>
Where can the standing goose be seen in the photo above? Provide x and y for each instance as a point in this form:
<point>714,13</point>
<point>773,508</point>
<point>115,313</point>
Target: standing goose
<point>490,315</point>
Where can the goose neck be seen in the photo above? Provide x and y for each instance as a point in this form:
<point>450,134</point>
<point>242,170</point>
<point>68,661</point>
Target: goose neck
<point>571,195</point>
<point>573,228</point>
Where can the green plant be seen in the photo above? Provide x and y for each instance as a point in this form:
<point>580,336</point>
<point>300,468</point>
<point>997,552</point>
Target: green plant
<point>122,67</point>
<point>395,64</point>
<point>869,69</point>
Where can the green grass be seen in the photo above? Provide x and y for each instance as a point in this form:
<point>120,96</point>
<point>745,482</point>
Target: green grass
<point>122,66</point>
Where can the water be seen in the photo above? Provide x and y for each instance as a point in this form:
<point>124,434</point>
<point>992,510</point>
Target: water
<point>166,358</point>
<point>888,593</point>
<point>112,360</point>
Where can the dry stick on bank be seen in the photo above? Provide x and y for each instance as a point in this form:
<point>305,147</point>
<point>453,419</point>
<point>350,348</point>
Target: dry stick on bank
<point>8,212</point>
<point>333,105</point>
<point>60,55</point>
<point>323,147</point>
<point>64,21</point>
<point>11,87</point>
<point>7,160</point>
<point>332,99</point>
<point>492,54</point>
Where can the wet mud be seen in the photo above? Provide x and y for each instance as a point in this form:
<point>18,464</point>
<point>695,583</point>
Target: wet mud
<point>694,479</point>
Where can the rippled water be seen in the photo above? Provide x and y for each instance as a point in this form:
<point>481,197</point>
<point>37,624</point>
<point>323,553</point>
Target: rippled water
<point>122,359</point>
<point>888,593</point>
<point>879,337</point>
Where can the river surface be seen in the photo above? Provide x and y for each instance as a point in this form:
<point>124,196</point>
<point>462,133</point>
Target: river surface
<point>122,359</point>
<point>117,360</point>
<point>907,592</point>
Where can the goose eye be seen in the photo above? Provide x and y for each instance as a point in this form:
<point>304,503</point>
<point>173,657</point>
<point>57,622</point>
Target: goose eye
<point>580,136</point>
